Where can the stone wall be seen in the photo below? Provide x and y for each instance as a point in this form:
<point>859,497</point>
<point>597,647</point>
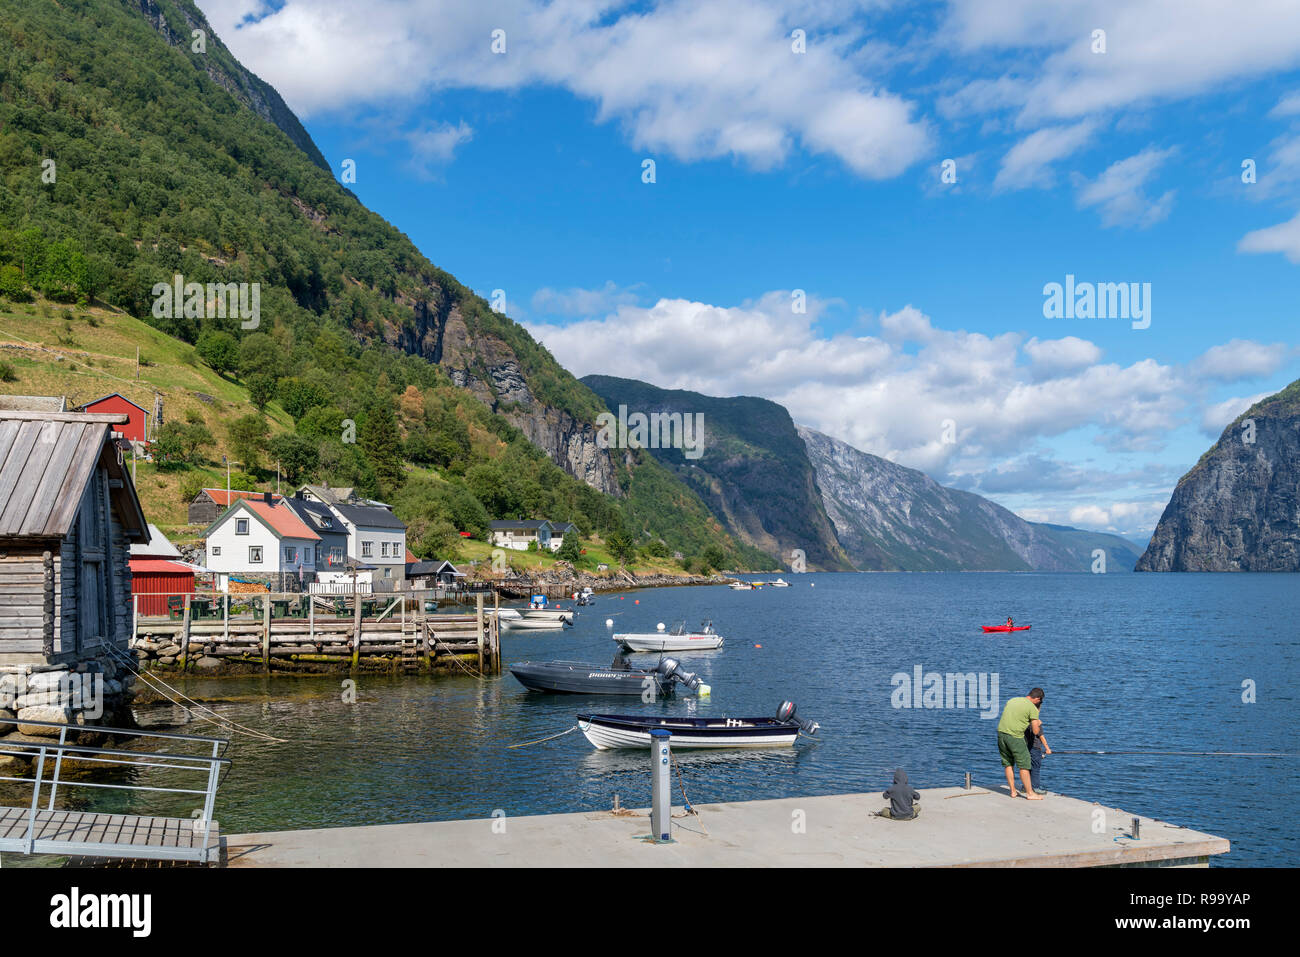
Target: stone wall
<point>96,691</point>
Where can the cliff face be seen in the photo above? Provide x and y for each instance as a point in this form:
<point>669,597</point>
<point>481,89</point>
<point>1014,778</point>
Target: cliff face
<point>891,518</point>
<point>1238,509</point>
<point>752,470</point>
<point>488,367</point>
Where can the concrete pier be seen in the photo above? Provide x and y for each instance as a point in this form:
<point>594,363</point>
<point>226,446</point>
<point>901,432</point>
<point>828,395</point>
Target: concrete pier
<point>957,828</point>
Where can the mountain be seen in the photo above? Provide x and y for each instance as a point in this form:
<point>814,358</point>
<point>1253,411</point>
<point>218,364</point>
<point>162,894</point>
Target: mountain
<point>892,518</point>
<point>750,468</point>
<point>129,155</point>
<point>1238,509</point>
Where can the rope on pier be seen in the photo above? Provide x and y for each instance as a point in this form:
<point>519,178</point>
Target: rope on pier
<point>525,744</point>
<point>189,704</point>
<point>690,808</point>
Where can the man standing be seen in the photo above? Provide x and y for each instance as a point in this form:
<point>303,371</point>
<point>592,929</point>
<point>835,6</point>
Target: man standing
<point>1018,715</point>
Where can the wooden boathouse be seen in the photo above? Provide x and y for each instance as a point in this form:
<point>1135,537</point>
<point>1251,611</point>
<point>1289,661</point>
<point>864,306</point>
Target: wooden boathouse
<point>68,516</point>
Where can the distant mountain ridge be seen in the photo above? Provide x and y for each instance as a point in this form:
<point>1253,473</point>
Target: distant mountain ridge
<point>753,472</point>
<point>892,518</point>
<point>1238,509</point>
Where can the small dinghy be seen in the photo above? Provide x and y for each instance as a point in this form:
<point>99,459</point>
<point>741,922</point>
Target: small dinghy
<point>571,677</point>
<point>610,731</point>
<point>679,639</point>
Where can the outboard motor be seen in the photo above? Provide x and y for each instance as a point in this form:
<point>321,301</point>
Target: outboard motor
<point>669,669</point>
<point>787,715</point>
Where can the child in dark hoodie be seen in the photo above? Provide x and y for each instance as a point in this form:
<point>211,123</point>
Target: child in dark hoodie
<point>901,797</point>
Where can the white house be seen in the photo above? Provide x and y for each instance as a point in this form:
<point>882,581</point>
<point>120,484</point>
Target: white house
<point>519,533</point>
<point>376,537</point>
<point>263,538</point>
<point>558,531</point>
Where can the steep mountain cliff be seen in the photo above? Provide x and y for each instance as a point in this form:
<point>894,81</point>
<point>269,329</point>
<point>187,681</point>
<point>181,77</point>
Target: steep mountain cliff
<point>748,465</point>
<point>1238,509</point>
<point>892,518</point>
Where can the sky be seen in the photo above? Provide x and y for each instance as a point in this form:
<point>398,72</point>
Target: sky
<point>855,209</point>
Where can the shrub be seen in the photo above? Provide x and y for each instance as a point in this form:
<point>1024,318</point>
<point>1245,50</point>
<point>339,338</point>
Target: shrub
<point>7,373</point>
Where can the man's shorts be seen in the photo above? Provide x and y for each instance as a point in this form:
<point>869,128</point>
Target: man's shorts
<point>1013,750</point>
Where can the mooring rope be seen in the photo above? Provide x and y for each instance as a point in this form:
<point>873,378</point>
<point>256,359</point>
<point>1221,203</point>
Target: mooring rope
<point>525,744</point>
<point>690,808</point>
<point>189,704</point>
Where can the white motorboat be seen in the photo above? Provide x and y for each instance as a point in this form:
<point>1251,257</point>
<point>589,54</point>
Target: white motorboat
<point>741,586</point>
<point>780,583</point>
<point>679,639</point>
<point>613,731</point>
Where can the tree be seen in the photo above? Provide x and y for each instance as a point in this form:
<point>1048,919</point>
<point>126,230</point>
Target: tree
<point>261,390</point>
<point>219,350</point>
<point>382,445</point>
<point>713,557</point>
<point>296,454</point>
<point>247,437</point>
<point>570,549</point>
<point>12,286</point>
<point>259,354</point>
<point>620,545</point>
<point>299,397</point>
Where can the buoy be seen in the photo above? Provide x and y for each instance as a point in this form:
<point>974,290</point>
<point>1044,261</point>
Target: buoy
<point>758,646</point>
<point>636,601</point>
<point>659,627</point>
<point>609,622</point>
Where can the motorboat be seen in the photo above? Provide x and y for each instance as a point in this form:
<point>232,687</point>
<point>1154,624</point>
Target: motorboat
<point>572,677</point>
<point>741,586</point>
<point>611,731</point>
<point>679,639</point>
<point>780,583</point>
<point>512,619</point>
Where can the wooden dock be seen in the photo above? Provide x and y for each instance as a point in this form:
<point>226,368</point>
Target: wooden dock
<point>393,631</point>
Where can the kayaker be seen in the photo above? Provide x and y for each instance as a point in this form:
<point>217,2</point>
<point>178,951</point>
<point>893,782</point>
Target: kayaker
<point>1018,715</point>
<point>901,797</point>
<point>1009,622</point>
<point>1038,749</point>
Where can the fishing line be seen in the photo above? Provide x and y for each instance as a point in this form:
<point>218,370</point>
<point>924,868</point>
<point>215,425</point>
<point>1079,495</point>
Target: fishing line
<point>1217,754</point>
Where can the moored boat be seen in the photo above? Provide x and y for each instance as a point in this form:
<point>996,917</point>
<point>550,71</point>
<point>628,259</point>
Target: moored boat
<point>612,731</point>
<point>679,639</point>
<point>572,677</point>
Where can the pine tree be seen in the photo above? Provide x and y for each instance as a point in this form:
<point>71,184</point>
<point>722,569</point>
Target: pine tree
<point>382,444</point>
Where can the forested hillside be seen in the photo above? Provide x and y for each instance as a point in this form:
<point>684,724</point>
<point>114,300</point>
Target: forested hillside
<point>127,158</point>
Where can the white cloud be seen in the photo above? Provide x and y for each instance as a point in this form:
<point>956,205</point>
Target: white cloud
<point>1215,418</point>
<point>1289,105</point>
<point>1060,355</point>
<point>436,145</point>
<point>691,80</point>
<point>1283,238</point>
<point>1118,191</point>
<point>1028,163</point>
<point>1241,359</point>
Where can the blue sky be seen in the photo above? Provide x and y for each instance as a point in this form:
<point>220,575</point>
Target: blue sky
<point>820,171</point>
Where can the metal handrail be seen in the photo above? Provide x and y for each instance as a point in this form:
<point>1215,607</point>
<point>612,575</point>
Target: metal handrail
<point>142,759</point>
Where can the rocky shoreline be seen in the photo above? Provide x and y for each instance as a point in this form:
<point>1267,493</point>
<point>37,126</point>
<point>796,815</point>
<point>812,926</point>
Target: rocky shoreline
<point>563,573</point>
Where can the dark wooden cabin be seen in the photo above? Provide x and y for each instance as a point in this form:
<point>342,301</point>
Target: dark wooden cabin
<point>68,516</point>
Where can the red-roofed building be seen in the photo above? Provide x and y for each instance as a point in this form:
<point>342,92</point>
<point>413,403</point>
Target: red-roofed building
<point>136,428</point>
<point>263,538</point>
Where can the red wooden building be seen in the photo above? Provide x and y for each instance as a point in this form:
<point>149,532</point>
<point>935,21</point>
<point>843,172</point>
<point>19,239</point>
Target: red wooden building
<point>137,429</point>
<point>154,580</point>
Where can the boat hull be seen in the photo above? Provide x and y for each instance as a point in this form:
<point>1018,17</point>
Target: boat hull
<point>634,642</point>
<point>533,624</point>
<point>619,732</point>
<point>553,677</point>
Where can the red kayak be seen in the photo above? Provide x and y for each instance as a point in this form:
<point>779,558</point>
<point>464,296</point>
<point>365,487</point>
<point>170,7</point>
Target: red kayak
<point>988,628</point>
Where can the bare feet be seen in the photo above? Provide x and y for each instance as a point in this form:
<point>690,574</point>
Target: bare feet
<point>1015,794</point>
<point>1033,797</point>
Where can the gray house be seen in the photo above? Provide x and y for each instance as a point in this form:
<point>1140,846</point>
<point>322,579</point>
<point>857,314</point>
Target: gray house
<point>332,552</point>
<point>68,517</point>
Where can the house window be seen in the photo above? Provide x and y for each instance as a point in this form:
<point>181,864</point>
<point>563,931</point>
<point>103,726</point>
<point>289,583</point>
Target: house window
<point>216,550</point>
<point>336,556</point>
<point>367,548</point>
<point>388,573</point>
<point>306,556</point>
<point>290,554</point>
<point>241,526</point>
<point>255,554</point>
<point>383,549</point>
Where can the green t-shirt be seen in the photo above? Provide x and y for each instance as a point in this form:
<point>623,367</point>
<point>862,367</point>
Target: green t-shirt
<point>1017,715</point>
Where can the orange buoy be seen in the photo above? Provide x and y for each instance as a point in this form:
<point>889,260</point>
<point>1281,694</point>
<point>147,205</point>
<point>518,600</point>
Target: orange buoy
<point>758,646</point>
<point>636,601</point>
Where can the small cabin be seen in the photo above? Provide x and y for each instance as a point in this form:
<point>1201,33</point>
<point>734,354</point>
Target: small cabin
<point>211,503</point>
<point>68,516</point>
<point>136,426</point>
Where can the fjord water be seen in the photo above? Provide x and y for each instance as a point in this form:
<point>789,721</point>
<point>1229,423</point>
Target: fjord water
<point>1129,662</point>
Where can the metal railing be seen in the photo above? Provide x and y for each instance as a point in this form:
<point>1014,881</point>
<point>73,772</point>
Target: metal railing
<point>40,752</point>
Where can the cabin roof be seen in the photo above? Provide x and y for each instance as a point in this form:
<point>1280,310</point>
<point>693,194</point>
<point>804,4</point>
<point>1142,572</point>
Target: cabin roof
<point>431,568</point>
<point>87,405</point>
<point>282,521</point>
<point>531,524</point>
<point>46,460</point>
<point>158,546</point>
<point>34,403</point>
<point>222,497</point>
